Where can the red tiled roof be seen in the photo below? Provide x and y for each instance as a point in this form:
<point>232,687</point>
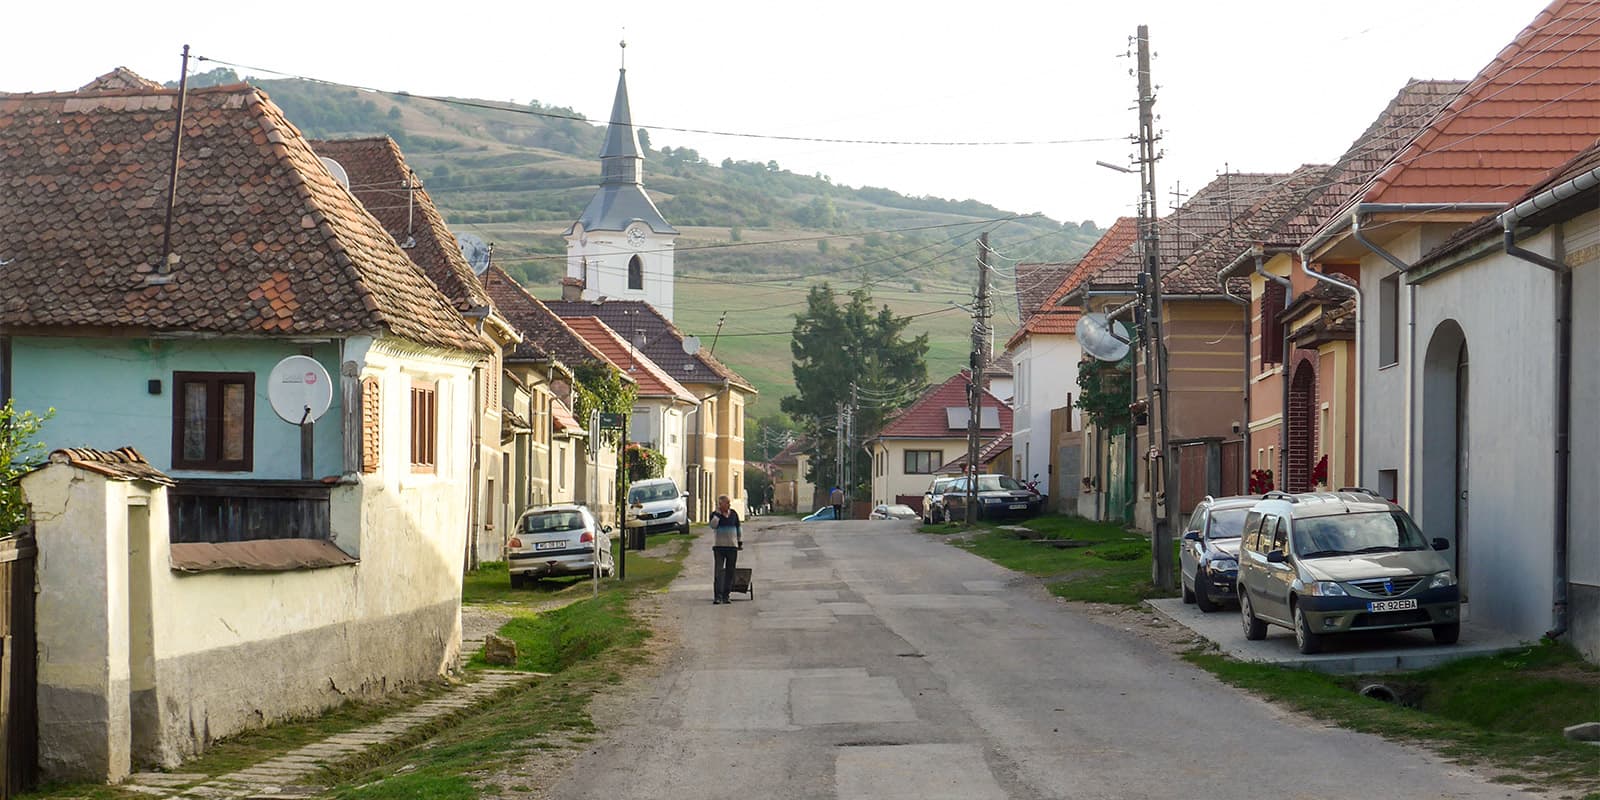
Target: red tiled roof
<point>1049,318</point>
<point>1197,273</point>
<point>268,242</point>
<point>926,418</point>
<point>1188,228</point>
<point>379,177</point>
<point>987,452</point>
<point>652,380</point>
<point>663,341</point>
<point>1035,282</point>
<point>545,335</point>
<point>1530,109</point>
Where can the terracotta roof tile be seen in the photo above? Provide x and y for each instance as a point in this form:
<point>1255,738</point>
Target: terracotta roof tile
<point>545,335</point>
<point>651,379</point>
<point>1193,224</point>
<point>1050,318</point>
<point>1197,273</point>
<point>268,241</point>
<point>123,464</point>
<point>926,418</point>
<point>988,451</point>
<point>663,341</point>
<point>563,418</point>
<point>1529,110</point>
<point>1035,283</point>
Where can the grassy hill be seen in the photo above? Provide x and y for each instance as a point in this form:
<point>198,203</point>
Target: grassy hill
<point>754,235</point>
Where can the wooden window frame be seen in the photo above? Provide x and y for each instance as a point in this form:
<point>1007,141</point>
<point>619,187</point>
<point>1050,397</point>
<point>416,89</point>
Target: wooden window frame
<point>424,426</point>
<point>933,463</point>
<point>1272,300</point>
<point>213,460</point>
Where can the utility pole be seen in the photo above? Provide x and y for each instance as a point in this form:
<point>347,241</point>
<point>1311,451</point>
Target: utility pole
<point>1155,361</point>
<point>979,359</point>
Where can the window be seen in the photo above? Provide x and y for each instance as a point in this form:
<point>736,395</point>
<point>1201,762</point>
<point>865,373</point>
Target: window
<point>1389,321</point>
<point>1252,531</point>
<point>1280,537</point>
<point>1272,301</point>
<point>424,425</point>
<point>923,462</point>
<point>635,273</point>
<point>213,420</point>
<point>561,466</point>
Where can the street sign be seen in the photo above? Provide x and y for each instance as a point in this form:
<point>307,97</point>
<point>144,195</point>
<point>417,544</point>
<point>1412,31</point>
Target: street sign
<point>610,421</point>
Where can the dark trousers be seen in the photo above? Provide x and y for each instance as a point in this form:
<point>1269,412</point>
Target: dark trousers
<point>838,511</point>
<point>723,560</point>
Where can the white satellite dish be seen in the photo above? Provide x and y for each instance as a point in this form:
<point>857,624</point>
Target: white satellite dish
<point>1107,340</point>
<point>691,345</point>
<point>300,390</point>
<point>337,171</point>
<point>475,250</point>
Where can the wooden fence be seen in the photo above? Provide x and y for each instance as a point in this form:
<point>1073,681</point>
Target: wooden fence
<point>19,756</point>
<point>236,511</point>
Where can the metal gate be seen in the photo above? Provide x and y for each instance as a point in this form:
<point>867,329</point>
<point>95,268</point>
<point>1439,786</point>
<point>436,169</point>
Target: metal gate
<point>18,719</point>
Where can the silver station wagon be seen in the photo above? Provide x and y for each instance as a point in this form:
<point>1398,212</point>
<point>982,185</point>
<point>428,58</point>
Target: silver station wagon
<point>1336,562</point>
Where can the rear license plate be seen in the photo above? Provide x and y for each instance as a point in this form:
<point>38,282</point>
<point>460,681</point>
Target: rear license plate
<point>1018,506</point>
<point>1392,605</point>
<point>556,545</point>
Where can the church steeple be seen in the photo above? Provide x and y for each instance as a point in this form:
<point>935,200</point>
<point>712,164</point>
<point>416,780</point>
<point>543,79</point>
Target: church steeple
<point>621,159</point>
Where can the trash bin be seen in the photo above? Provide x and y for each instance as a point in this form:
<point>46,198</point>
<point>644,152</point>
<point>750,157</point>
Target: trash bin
<point>635,538</point>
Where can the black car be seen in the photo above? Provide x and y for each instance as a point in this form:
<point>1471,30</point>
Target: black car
<point>999,496</point>
<point>1209,558</point>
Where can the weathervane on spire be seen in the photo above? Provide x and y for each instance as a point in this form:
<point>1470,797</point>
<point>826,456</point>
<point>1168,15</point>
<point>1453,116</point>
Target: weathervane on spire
<point>624,45</point>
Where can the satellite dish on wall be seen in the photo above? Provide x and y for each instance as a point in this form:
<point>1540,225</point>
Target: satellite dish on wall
<point>1107,340</point>
<point>300,390</point>
<point>691,345</point>
<point>337,170</point>
<point>475,250</point>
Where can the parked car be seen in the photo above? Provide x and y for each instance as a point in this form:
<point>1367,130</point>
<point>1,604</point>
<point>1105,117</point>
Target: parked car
<point>933,500</point>
<point>1335,562</point>
<point>557,540</point>
<point>824,514</point>
<point>1208,561</point>
<point>998,496</point>
<point>656,505</point>
<point>894,511</point>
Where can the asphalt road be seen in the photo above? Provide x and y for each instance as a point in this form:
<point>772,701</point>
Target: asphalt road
<point>876,662</point>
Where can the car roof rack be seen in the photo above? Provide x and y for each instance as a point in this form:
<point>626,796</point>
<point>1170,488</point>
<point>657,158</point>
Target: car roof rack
<point>1280,495</point>
<point>1359,490</point>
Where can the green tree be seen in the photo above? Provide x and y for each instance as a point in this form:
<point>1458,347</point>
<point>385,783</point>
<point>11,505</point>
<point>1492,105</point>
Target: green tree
<point>839,345</point>
<point>599,387</point>
<point>20,451</point>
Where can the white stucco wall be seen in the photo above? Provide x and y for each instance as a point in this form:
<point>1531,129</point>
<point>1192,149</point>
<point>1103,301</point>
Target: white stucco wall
<point>895,481</point>
<point>1047,375</point>
<point>607,254</point>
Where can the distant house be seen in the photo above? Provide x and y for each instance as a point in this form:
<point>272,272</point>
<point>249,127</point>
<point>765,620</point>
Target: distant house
<point>307,564</point>
<point>790,489</point>
<point>660,404</point>
<point>925,436</point>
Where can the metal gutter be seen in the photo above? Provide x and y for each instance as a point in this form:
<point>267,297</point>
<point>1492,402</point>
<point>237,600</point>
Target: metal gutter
<point>1361,433</point>
<point>1547,199</point>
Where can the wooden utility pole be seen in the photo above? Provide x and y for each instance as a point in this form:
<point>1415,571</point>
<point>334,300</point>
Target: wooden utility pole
<point>980,355</point>
<point>1155,361</point>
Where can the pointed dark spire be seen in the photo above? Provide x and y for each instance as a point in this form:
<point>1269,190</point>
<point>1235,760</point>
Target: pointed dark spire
<point>621,159</point>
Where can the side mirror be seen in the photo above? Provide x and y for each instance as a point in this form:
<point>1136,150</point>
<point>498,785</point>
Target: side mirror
<point>1191,536</point>
<point>1275,557</point>
<point>605,529</point>
<point>1441,543</point>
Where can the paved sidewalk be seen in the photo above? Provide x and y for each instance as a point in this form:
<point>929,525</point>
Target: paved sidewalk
<point>286,776</point>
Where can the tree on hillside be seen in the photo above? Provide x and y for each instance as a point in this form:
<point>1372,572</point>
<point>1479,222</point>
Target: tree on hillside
<point>839,345</point>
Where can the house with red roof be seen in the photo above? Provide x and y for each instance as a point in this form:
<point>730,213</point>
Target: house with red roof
<point>914,446</point>
<point>153,321</point>
<point>1460,355</point>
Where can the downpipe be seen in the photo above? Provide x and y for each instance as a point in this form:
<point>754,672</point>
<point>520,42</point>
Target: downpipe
<point>1244,419</point>
<point>1361,433</point>
<point>1283,370</point>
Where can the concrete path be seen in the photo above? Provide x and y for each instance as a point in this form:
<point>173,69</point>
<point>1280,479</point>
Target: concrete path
<point>876,662</point>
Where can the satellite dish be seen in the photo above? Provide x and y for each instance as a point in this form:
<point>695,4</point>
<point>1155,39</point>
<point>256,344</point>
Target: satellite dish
<point>300,390</point>
<point>691,345</point>
<point>1107,340</point>
<point>337,170</point>
<point>475,250</point>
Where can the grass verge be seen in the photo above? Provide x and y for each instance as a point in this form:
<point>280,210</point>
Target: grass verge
<point>1096,562</point>
<point>1504,711</point>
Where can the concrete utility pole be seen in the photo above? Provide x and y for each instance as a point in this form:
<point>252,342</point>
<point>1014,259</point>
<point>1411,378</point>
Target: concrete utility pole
<point>980,328</point>
<point>1155,361</point>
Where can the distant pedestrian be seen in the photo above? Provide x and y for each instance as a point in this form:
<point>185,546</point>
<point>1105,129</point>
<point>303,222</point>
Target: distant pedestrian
<point>836,497</point>
<point>725,547</point>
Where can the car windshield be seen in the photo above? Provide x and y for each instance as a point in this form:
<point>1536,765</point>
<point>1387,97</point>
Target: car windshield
<point>898,510</point>
<point>1345,534</point>
<point>997,483</point>
<point>1227,524</point>
<point>941,485</point>
<point>553,522</point>
<point>650,494</point>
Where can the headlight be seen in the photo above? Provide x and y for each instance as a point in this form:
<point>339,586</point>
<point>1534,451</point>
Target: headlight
<point>1442,580</point>
<point>1328,589</point>
<point>1223,564</point>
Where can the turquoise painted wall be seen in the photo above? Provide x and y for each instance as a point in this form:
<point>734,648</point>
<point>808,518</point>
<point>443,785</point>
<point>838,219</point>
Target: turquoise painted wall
<point>99,389</point>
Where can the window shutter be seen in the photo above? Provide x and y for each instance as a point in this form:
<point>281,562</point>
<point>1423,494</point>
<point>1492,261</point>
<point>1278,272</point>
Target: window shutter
<point>1272,324</point>
<point>371,416</point>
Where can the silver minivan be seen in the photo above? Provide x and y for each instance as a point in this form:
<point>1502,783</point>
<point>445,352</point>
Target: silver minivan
<point>1334,562</point>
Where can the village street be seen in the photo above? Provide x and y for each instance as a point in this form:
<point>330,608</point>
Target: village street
<point>877,662</point>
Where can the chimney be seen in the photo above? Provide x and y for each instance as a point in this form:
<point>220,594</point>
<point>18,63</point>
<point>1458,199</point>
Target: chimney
<point>571,289</point>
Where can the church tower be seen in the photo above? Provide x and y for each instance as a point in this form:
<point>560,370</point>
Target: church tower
<point>621,247</point>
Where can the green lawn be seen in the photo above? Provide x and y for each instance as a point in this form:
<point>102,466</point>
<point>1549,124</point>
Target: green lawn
<point>1096,562</point>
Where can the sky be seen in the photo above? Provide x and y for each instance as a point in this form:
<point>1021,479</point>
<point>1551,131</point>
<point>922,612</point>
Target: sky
<point>1243,86</point>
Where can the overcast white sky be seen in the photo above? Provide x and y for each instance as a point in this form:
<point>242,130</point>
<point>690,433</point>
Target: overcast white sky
<point>1255,86</point>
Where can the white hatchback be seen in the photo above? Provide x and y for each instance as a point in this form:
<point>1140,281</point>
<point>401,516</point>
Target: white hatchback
<point>557,540</point>
<point>656,505</point>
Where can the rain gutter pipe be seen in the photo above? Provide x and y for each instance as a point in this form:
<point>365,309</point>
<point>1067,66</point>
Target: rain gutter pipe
<point>1508,222</point>
<point>1244,421</point>
<point>1361,433</point>
<point>1283,366</point>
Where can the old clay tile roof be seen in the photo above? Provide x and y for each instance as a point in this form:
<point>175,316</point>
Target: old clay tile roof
<point>652,380</point>
<point>1197,274</point>
<point>1191,225</point>
<point>988,451</point>
<point>123,464</point>
<point>1052,318</point>
<point>545,335</point>
<point>1035,283</point>
<point>119,80</point>
<point>1530,109</point>
<point>663,341</point>
<point>269,242</point>
<point>926,419</point>
<point>379,176</point>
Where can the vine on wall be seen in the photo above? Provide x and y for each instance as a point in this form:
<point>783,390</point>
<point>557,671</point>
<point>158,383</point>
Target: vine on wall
<point>600,387</point>
<point>1103,392</point>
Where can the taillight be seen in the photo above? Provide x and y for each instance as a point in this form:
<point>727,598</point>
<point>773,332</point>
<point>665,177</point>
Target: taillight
<point>586,537</point>
<point>516,541</point>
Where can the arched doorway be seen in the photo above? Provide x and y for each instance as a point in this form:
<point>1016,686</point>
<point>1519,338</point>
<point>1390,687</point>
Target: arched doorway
<point>1445,439</point>
<point>1300,434</point>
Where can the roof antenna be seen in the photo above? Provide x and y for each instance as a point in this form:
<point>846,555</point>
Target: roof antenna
<point>163,273</point>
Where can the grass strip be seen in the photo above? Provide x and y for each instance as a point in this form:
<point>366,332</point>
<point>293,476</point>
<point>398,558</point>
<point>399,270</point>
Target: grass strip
<point>1095,562</point>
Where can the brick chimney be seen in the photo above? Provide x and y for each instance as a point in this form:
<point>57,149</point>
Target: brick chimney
<point>571,289</point>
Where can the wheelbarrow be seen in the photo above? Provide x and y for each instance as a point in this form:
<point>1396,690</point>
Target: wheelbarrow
<point>743,582</point>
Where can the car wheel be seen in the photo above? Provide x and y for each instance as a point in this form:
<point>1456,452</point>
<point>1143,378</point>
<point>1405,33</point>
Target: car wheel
<point>1188,594</point>
<point>1202,599</point>
<point>1254,629</point>
<point>1308,641</point>
<point>683,530</point>
<point>1447,634</point>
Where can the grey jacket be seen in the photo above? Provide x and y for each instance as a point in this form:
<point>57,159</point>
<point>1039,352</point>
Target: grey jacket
<point>727,529</point>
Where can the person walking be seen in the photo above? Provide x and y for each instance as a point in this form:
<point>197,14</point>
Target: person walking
<point>836,497</point>
<point>725,547</point>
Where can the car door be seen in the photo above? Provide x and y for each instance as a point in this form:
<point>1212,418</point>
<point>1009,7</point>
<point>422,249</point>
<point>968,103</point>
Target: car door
<point>1280,576</point>
<point>1252,557</point>
<point>955,499</point>
<point>1189,553</point>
